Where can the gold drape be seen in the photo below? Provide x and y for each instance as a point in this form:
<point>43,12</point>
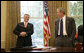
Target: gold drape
<point>53,5</point>
<point>13,17</point>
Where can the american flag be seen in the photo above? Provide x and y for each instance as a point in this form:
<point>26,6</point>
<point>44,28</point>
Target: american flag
<point>46,27</point>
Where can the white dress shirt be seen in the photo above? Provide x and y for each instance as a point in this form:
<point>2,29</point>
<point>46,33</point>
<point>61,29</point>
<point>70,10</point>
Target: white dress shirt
<point>26,23</point>
<point>64,26</point>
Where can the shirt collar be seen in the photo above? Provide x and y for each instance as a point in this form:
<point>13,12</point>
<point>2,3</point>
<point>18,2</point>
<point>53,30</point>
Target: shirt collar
<point>63,17</point>
<point>25,22</point>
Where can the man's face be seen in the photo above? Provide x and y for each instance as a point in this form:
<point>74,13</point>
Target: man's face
<point>26,18</point>
<point>59,13</point>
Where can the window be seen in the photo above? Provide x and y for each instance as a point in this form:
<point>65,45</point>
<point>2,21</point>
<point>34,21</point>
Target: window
<point>35,10</point>
<point>76,11</point>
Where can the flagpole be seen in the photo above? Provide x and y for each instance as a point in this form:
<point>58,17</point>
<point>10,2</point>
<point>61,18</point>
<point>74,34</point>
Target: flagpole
<point>46,26</point>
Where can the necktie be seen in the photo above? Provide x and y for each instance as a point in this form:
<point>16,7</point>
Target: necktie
<point>61,28</point>
<point>25,25</point>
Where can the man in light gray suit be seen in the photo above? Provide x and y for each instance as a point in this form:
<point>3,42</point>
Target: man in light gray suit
<point>65,29</point>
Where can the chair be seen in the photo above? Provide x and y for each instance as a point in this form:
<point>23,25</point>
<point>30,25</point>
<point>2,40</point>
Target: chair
<point>79,39</point>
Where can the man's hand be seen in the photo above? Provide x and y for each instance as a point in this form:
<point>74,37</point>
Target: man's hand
<point>23,34</point>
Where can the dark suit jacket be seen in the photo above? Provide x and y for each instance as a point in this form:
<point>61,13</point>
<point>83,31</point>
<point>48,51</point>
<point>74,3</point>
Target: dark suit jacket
<point>29,30</point>
<point>70,27</point>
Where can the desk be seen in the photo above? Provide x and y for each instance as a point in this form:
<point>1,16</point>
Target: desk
<point>55,49</point>
<point>45,49</point>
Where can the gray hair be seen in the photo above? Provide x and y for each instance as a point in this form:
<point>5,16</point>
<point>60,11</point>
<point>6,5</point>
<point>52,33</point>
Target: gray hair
<point>61,10</point>
<point>27,14</point>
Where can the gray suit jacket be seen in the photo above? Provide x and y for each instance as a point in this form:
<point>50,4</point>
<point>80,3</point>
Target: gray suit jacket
<point>70,27</point>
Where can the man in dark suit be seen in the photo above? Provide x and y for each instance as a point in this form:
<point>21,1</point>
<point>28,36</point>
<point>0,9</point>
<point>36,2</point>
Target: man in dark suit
<point>24,30</point>
<point>65,29</point>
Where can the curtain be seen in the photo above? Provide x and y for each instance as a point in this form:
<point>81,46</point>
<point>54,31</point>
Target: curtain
<point>13,17</point>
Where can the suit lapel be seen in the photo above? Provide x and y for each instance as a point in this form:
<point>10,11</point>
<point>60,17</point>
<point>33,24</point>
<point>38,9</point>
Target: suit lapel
<point>58,26</point>
<point>22,24</point>
<point>27,25</point>
<point>67,23</point>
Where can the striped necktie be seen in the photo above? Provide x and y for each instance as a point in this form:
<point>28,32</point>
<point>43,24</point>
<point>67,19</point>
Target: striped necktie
<point>61,28</point>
